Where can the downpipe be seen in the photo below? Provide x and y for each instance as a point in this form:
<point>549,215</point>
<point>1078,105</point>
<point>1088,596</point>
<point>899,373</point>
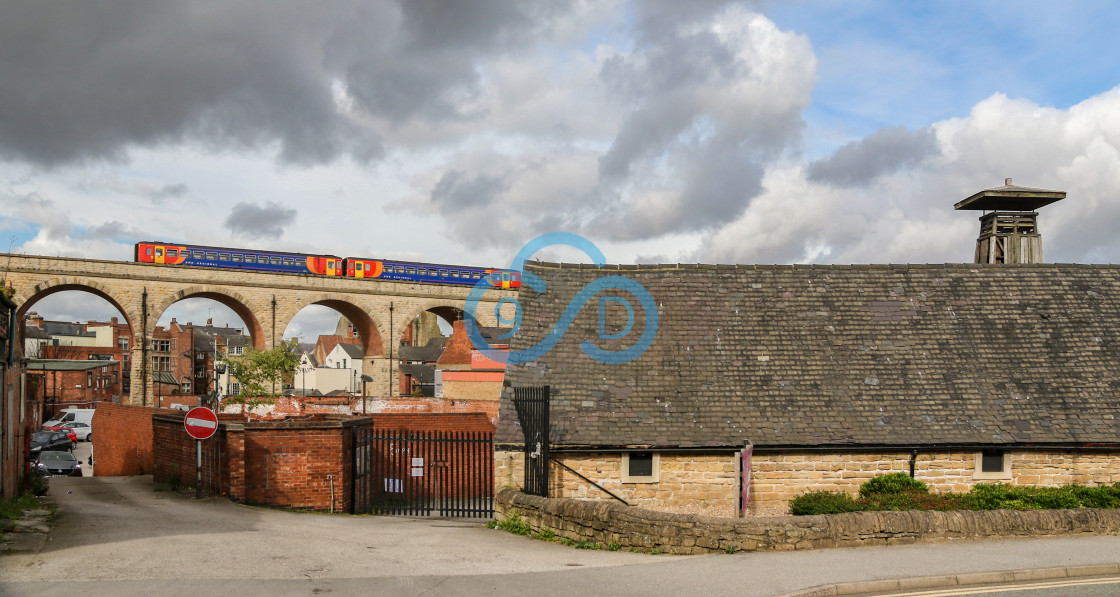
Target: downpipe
<point>331,479</point>
<point>913,461</point>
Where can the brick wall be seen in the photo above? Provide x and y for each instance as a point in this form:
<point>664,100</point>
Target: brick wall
<point>608,523</point>
<point>122,439</point>
<point>270,463</point>
<point>433,421</point>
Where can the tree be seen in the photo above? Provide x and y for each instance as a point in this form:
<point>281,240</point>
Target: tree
<point>260,372</point>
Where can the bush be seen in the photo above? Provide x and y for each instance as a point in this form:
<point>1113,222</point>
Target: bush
<point>823,502</point>
<point>893,483</point>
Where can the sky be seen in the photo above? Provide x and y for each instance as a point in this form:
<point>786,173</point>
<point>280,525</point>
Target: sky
<point>798,131</point>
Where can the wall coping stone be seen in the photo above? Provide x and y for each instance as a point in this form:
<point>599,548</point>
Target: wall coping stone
<point>316,421</point>
<point>638,528</point>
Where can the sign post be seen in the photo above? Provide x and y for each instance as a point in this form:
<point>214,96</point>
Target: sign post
<point>200,423</point>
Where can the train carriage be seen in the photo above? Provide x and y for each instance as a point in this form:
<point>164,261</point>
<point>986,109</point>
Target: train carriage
<point>326,265</point>
<point>244,259</point>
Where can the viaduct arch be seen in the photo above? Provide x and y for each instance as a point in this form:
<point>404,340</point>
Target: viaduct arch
<point>265,301</point>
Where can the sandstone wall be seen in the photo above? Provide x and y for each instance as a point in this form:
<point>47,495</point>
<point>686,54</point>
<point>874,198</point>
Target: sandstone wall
<point>611,523</point>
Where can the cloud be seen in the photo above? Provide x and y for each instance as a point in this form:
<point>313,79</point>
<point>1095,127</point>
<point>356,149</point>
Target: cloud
<point>902,213</point>
<point>883,152</point>
<point>170,191</point>
<point>259,221</point>
<point>91,82</point>
<point>113,229</point>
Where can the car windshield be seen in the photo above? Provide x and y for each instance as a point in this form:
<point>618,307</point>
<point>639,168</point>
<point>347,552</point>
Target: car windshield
<point>40,436</point>
<point>57,456</point>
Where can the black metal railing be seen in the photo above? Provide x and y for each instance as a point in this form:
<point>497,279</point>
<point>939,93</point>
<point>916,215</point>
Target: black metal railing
<point>531,404</point>
<point>416,473</point>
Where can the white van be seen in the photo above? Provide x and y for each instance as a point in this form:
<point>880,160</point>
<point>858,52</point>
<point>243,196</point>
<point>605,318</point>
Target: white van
<point>72,415</point>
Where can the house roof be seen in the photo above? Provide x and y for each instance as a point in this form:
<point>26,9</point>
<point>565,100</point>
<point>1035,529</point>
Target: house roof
<point>35,332</point>
<point>354,351</point>
<point>67,364</point>
<point>424,374</point>
<point>429,353</point>
<point>798,356</point>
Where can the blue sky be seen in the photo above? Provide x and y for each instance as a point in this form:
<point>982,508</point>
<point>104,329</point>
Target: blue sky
<point>776,132</point>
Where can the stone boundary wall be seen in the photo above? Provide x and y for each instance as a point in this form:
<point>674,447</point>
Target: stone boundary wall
<point>636,528</point>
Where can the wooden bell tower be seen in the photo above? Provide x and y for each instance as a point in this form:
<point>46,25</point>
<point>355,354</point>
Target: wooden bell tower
<point>1009,225</point>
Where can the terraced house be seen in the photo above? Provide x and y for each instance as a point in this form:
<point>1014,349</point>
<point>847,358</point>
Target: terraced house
<point>767,381</point>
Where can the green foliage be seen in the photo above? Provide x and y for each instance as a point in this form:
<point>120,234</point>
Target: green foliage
<point>731,548</point>
<point>892,483</point>
<point>261,372</point>
<point>12,508</point>
<point>545,535</point>
<point>512,523</point>
<point>614,546</point>
<point>39,484</point>
<point>823,502</point>
<point>896,492</point>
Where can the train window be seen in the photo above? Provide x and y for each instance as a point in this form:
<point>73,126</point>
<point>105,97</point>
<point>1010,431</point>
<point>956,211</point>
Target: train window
<point>454,274</point>
<point>330,263</point>
<point>223,256</point>
<point>410,270</point>
<point>198,254</point>
<point>159,252</point>
<point>476,276</point>
<point>211,255</point>
<point>250,259</point>
<point>289,261</point>
<point>238,258</point>
<point>400,269</point>
<point>443,273</point>
<point>148,251</point>
<point>277,261</point>
<point>172,252</point>
<point>367,266</point>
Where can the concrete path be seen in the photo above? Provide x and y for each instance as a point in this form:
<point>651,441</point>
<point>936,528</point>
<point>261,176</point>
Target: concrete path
<point>121,536</point>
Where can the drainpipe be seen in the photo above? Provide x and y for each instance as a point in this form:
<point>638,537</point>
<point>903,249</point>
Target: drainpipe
<point>913,461</point>
<point>331,479</point>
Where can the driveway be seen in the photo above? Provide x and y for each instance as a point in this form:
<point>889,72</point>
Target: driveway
<point>121,536</point>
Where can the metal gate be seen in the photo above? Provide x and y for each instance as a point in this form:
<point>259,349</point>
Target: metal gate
<point>416,473</point>
<point>531,404</point>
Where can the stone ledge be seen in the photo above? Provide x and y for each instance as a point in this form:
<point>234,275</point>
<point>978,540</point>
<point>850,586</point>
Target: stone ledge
<point>638,528</point>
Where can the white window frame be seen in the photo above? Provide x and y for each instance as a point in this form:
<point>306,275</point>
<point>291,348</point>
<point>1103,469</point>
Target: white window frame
<point>978,473</point>
<point>654,477</point>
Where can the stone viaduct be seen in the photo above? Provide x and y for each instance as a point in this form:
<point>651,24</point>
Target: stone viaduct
<point>266,303</point>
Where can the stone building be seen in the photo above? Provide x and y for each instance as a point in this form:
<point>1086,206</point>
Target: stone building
<point>764,382</point>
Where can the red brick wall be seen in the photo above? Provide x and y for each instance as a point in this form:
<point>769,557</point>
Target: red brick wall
<point>433,421</point>
<point>269,463</point>
<point>122,439</point>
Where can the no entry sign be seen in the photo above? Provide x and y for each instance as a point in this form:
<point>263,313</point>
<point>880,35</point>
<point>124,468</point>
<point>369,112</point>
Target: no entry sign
<point>201,422</point>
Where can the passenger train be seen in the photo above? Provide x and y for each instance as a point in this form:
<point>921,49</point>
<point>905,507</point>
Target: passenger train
<point>322,265</point>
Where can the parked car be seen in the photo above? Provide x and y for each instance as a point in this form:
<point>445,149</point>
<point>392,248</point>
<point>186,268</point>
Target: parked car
<point>50,441</point>
<point>58,464</point>
<point>83,431</point>
<point>69,433</point>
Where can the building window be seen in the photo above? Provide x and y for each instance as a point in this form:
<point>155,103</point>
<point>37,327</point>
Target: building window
<point>161,363</point>
<point>122,343</point>
<point>237,350</point>
<point>992,465</point>
<point>235,389</point>
<point>186,387</point>
<point>161,345</point>
<point>641,467</point>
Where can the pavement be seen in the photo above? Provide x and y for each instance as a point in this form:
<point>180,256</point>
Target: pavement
<point>124,536</point>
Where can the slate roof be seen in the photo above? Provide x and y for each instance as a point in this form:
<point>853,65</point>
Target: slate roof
<point>863,355</point>
<point>354,351</point>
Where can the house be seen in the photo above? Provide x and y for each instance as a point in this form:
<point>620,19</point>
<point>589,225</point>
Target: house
<point>764,382</point>
<point>21,413</point>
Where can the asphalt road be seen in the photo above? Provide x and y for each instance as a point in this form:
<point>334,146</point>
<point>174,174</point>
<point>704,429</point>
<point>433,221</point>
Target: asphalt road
<point>123,536</point>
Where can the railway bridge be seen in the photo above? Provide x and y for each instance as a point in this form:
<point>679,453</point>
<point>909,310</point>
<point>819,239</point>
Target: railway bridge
<point>265,301</point>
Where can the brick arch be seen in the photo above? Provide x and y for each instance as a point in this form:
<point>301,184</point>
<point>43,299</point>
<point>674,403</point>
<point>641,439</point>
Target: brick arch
<point>368,329</point>
<point>235,301</point>
<point>46,288</point>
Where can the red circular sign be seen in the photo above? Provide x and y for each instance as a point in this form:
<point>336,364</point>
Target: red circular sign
<point>201,422</point>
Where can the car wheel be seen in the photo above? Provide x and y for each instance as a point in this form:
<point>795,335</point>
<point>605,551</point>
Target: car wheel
<point>89,437</point>
<point>73,445</point>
